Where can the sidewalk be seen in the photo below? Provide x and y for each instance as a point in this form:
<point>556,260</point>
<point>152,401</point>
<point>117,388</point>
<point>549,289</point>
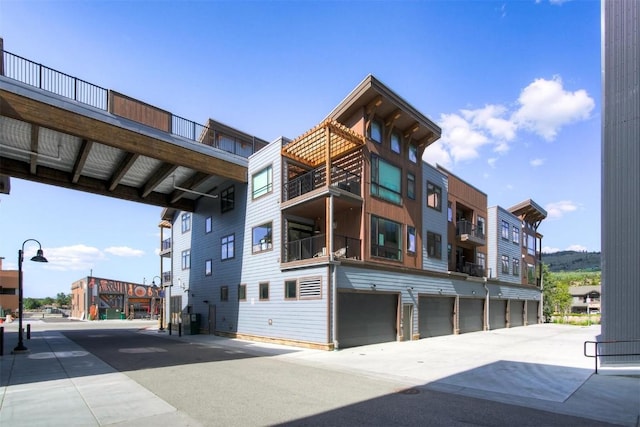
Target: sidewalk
<point>540,367</point>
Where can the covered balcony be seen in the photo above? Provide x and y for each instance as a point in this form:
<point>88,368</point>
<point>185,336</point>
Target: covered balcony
<point>466,231</point>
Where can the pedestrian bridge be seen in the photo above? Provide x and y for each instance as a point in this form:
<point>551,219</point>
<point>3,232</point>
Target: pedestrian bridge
<point>60,130</point>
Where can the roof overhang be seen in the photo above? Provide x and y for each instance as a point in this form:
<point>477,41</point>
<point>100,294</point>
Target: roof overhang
<point>530,212</point>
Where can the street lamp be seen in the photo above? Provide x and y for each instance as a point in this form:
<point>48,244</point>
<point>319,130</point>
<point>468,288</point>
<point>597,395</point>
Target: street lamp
<point>161,294</point>
<point>39,257</point>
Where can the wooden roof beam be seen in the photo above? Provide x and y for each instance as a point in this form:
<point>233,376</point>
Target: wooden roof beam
<point>35,132</point>
<point>81,160</point>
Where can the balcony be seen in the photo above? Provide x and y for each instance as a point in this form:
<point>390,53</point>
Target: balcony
<point>165,248</point>
<point>472,269</point>
<point>468,232</point>
<point>317,178</point>
<point>315,247</point>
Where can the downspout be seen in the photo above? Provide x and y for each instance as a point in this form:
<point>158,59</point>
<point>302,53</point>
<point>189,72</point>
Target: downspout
<point>486,304</point>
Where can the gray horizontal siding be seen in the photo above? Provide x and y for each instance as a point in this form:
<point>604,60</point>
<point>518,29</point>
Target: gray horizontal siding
<point>432,220</point>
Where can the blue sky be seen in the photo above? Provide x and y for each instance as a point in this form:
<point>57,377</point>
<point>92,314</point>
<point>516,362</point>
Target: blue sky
<point>515,86</point>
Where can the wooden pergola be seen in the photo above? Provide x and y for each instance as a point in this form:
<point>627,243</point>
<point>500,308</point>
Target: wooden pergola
<point>324,143</point>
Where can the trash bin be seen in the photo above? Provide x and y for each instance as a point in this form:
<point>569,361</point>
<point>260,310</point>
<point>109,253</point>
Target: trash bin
<point>122,316</point>
<point>194,328</point>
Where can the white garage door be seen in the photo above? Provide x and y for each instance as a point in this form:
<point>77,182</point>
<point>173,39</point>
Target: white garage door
<point>497,313</point>
<point>532,312</point>
<point>516,314</point>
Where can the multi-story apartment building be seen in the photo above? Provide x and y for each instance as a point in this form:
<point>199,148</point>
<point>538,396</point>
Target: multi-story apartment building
<point>338,239</point>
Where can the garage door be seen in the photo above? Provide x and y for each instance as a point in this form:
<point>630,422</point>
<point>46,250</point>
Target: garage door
<point>471,313</point>
<point>435,316</point>
<point>497,314</point>
<point>516,314</point>
<point>532,312</point>
<point>366,318</point>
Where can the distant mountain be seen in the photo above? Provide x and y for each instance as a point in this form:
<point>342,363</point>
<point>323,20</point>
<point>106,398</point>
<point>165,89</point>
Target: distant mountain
<point>572,261</point>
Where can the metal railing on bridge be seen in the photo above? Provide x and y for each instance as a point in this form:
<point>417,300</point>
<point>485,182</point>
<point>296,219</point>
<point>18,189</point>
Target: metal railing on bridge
<point>48,79</point>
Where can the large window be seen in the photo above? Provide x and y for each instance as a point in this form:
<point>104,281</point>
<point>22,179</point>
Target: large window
<point>186,222</point>
<point>516,235</point>
<point>227,199</point>
<point>262,182</point>
<point>505,264</point>
<point>227,247</point>
<point>480,227</point>
<point>261,238</point>
<point>411,239</point>
<point>411,186</point>
<point>386,180</point>
<point>531,274</point>
<point>375,132</point>
<point>516,267</point>
<point>186,259</point>
<point>434,245</point>
<point>263,290</point>
<point>395,142</point>
<point>449,212</point>
<point>505,230</point>
<point>208,267</point>
<point>386,239</point>
<point>413,153</point>
<point>208,226</point>
<point>434,196</point>
<point>531,245</point>
<point>480,260</point>
<point>290,289</point>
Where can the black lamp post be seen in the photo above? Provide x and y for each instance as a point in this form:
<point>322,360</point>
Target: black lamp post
<point>161,293</point>
<point>20,348</point>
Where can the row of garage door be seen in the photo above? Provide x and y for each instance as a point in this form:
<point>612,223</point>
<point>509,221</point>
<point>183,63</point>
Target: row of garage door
<point>372,318</point>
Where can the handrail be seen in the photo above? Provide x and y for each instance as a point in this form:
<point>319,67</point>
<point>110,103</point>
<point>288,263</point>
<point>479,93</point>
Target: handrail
<point>596,345</point>
<point>37,75</point>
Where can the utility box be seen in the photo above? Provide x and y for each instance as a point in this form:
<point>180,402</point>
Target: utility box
<point>194,328</point>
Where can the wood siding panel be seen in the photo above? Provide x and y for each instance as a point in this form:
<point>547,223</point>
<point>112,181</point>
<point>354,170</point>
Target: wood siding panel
<point>139,111</point>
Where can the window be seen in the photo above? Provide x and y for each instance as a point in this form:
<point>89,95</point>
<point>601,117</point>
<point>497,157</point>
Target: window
<point>262,182</point>
<point>261,238</point>
<point>208,267</point>
<point>411,186</point>
<point>375,132</point>
<point>413,153</point>
<point>186,259</point>
<point>531,274</point>
<point>186,222</point>
<point>449,253</point>
<point>516,235</point>
<point>411,239</point>
<point>480,259</point>
<point>516,267</point>
<point>434,196</point>
<point>290,289</point>
<point>227,199</point>
<point>386,180</point>
<point>227,246</point>
<point>386,239</point>
<point>434,245</point>
<point>449,212</point>
<point>531,245</point>
<point>242,292</point>
<point>395,142</point>
<point>505,264</point>
<point>207,225</point>
<point>505,230</point>
<point>525,237</point>
<point>264,290</point>
<point>480,227</point>
<point>224,293</point>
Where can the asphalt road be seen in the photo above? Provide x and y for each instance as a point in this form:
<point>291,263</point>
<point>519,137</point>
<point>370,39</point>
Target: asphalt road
<point>219,385</point>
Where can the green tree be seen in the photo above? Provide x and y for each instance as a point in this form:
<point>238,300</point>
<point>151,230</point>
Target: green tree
<point>548,289</point>
<point>63,299</point>
<point>557,298</point>
<point>47,301</point>
<point>31,303</point>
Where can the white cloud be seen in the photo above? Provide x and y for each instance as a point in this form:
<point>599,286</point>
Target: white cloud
<point>545,107</point>
<point>124,251</point>
<point>557,210</point>
<point>577,248</point>
<point>436,153</point>
<point>549,250</point>
<point>537,162</point>
<point>492,162</point>
<point>73,258</point>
